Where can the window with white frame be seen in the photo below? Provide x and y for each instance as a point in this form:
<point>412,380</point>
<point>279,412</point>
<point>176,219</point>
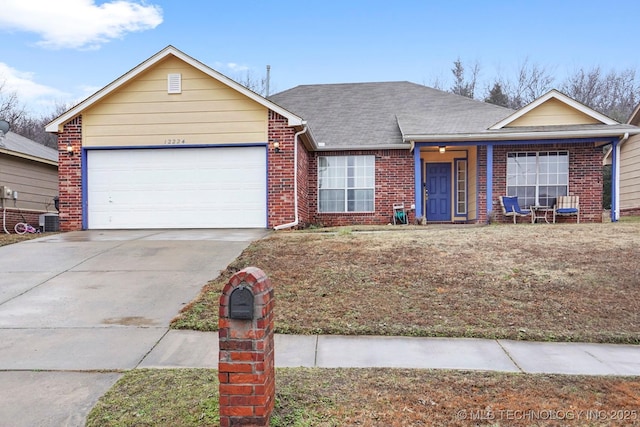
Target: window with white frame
<point>346,183</point>
<point>461,187</point>
<point>537,178</point>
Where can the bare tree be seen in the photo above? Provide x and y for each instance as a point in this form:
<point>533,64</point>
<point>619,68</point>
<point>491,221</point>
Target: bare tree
<point>461,84</point>
<point>251,82</point>
<point>614,94</point>
<point>532,81</point>
<point>10,108</point>
<point>28,125</point>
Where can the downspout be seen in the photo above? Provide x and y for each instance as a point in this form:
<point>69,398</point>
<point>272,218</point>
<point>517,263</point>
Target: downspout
<point>4,218</point>
<point>4,208</point>
<point>615,208</point>
<point>295,181</point>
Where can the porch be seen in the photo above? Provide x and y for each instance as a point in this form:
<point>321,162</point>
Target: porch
<point>458,183</point>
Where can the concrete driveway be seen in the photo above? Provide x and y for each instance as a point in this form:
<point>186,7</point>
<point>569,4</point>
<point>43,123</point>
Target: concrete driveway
<point>76,308</point>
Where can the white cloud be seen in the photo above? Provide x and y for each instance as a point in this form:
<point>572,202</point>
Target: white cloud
<point>237,67</point>
<point>27,91</point>
<point>230,66</point>
<point>78,24</point>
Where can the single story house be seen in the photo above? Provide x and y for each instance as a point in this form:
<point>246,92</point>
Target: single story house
<point>28,180</point>
<point>175,144</point>
<point>624,157</point>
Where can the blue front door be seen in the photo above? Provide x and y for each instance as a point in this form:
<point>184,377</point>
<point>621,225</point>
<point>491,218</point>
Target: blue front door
<point>439,191</point>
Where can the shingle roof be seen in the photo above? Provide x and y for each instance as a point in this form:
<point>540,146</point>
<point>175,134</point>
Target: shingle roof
<point>378,114</point>
<point>21,145</point>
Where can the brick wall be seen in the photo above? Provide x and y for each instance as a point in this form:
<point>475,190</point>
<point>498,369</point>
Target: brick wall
<point>281,201</point>
<point>585,177</point>
<point>13,216</point>
<point>69,176</point>
<point>394,184</point>
<point>630,212</point>
<point>304,212</point>
<point>481,217</point>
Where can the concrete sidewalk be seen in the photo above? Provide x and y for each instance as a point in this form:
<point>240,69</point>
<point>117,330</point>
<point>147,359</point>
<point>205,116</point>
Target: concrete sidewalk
<point>67,370</point>
<point>200,349</point>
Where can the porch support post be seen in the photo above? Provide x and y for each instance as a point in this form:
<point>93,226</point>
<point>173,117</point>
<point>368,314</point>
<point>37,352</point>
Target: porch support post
<point>417,179</point>
<point>615,178</point>
<point>489,181</point>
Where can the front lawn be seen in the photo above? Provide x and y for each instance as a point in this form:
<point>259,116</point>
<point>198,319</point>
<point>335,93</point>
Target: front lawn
<point>557,282</point>
<point>379,397</point>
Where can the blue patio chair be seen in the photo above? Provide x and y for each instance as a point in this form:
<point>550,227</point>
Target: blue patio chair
<point>510,207</point>
<point>567,205</point>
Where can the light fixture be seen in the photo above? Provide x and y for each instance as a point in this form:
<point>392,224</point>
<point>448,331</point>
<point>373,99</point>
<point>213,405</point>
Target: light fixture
<point>276,145</point>
<point>442,149</point>
<point>70,149</point>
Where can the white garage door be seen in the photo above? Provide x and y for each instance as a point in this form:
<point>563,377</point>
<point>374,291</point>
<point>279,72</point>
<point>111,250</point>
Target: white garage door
<point>177,188</point>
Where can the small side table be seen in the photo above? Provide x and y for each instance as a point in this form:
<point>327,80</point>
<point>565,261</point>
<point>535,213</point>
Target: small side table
<point>540,212</point>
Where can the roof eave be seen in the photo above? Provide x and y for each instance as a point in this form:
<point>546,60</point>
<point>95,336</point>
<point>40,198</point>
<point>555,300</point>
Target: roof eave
<point>509,136</point>
<point>634,114</point>
<point>57,124</point>
<point>28,157</point>
<point>365,147</point>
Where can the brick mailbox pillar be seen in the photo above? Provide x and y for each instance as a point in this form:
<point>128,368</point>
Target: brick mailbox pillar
<point>246,363</point>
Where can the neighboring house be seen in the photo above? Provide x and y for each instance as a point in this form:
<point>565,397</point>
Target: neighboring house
<point>624,156</point>
<point>28,180</point>
<point>175,144</point>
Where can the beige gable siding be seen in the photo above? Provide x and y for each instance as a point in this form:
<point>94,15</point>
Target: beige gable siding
<point>143,113</point>
<point>553,113</point>
<point>36,183</point>
<point>630,173</point>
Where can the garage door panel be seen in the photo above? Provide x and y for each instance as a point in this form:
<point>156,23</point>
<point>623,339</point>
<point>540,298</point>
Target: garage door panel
<point>177,188</point>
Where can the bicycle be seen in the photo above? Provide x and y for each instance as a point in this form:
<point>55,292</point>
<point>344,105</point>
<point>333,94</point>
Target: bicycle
<point>24,227</point>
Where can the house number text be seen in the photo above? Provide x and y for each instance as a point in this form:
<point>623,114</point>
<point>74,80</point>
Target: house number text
<point>174,141</point>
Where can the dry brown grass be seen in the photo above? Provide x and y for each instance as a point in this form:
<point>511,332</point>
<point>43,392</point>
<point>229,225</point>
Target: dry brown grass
<point>379,398</point>
<point>402,397</point>
<point>560,282</point>
<point>9,239</point>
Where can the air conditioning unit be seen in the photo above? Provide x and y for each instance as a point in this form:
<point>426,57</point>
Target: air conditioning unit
<point>49,222</point>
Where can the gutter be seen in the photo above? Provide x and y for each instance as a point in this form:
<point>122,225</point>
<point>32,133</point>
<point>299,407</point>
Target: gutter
<point>28,157</point>
<point>516,136</point>
<point>295,181</point>
<point>615,214</point>
<point>398,146</point>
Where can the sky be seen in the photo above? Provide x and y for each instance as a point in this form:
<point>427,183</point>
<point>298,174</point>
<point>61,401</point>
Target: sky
<point>60,52</point>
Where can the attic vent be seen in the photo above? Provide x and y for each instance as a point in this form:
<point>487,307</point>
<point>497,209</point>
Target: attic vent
<point>174,82</point>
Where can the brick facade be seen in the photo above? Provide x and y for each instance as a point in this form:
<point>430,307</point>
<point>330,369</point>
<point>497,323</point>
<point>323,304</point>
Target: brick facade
<point>14,216</point>
<point>281,203</point>
<point>394,180</point>
<point>69,176</point>
<point>630,212</point>
<point>246,367</point>
<point>585,177</point>
<point>481,186</point>
<point>393,184</point>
